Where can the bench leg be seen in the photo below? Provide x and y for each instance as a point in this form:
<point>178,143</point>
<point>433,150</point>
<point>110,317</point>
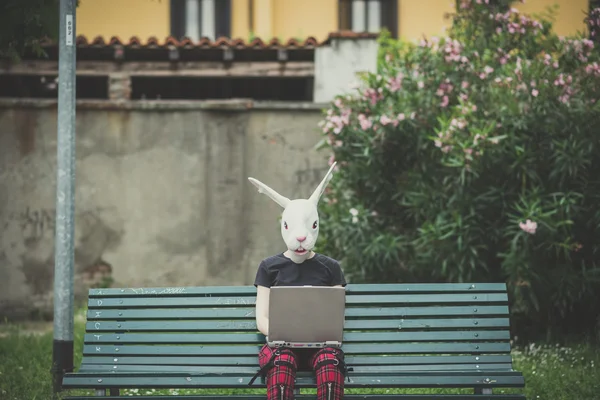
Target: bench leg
<point>114,392</point>
<point>483,391</point>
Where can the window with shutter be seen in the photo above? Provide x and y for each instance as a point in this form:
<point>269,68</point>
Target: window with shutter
<point>200,18</point>
<point>369,15</point>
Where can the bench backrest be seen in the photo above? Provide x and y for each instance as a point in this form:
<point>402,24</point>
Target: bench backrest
<point>416,326</point>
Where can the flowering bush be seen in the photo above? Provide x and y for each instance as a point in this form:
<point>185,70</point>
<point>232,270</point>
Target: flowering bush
<point>475,157</point>
<point>593,21</point>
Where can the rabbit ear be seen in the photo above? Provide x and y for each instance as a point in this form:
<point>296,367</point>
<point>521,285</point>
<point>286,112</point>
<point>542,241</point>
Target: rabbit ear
<point>276,197</point>
<point>321,188</point>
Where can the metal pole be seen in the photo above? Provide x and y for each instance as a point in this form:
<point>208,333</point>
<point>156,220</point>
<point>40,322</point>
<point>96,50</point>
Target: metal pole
<point>62,355</point>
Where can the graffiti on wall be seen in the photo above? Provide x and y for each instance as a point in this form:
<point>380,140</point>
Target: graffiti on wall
<point>35,223</point>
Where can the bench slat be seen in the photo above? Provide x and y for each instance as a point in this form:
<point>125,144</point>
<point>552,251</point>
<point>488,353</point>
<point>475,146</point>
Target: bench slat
<point>254,338</point>
<point>248,313</point>
<point>358,370</point>
<point>350,288</point>
<point>238,326</point>
<point>418,379</point>
<point>252,360</point>
<point>241,350</point>
<point>351,300</point>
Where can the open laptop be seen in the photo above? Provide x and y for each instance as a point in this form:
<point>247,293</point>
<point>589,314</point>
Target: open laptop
<point>306,316</point>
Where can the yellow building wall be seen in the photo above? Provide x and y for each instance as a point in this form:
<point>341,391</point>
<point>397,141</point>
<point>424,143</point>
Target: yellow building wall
<point>263,19</point>
<point>123,18</point>
<point>300,19</point>
<point>423,18</point>
<point>240,18</point>
<point>569,16</point>
<point>287,19</point>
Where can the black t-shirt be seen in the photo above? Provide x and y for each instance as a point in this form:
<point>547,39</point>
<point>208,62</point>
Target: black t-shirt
<point>320,270</point>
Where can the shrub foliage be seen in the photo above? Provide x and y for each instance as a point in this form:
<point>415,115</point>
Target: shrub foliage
<point>475,157</point>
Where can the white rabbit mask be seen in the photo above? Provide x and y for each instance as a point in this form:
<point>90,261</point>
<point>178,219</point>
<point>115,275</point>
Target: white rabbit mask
<point>299,220</point>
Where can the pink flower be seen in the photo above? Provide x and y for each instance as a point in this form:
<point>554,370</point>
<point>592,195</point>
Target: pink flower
<point>444,102</point>
<point>401,117</point>
<point>420,84</point>
<point>385,120</point>
<point>373,95</point>
<point>534,92</point>
<point>395,83</point>
<point>464,84</point>
<point>593,69</point>
<point>364,122</point>
<point>529,226</point>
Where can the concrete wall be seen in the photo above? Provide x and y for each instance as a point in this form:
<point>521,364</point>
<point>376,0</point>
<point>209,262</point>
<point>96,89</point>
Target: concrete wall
<point>338,66</point>
<point>162,196</point>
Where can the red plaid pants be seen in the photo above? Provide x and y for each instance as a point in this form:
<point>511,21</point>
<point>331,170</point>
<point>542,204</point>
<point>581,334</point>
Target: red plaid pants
<point>280,377</point>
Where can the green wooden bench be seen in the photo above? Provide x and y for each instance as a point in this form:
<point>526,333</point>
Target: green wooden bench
<point>396,336</point>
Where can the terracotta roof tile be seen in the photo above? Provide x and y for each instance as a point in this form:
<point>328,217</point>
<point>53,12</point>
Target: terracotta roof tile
<point>79,41</point>
<point>152,41</point>
<point>170,41</point>
<point>353,35</point>
<point>98,41</point>
<point>115,41</point>
<point>135,41</point>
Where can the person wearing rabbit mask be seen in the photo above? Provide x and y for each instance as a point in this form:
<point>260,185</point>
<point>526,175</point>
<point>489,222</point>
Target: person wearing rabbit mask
<point>297,266</point>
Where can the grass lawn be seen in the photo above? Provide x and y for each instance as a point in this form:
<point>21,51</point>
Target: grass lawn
<point>551,372</point>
